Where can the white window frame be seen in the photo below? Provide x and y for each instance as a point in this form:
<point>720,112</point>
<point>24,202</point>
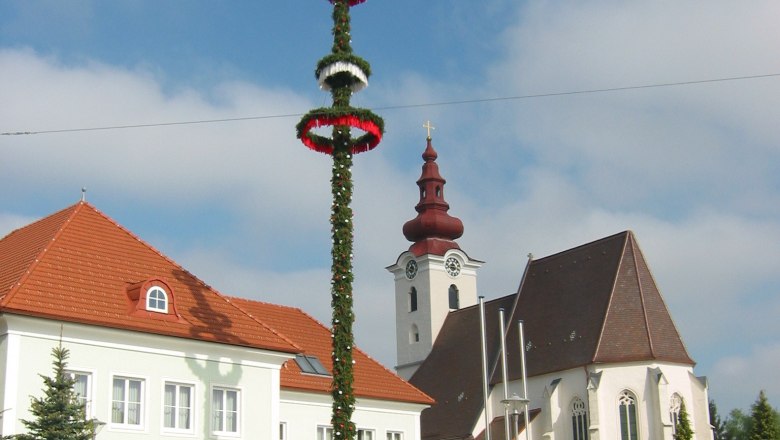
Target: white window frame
<point>361,434</point>
<point>177,406</point>
<point>165,298</point>
<point>125,413</point>
<point>395,435</point>
<point>89,397</point>
<point>213,411</point>
<point>324,432</point>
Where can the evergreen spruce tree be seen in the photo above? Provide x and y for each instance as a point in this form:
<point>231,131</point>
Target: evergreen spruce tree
<point>765,425</point>
<point>59,415</point>
<point>683,429</point>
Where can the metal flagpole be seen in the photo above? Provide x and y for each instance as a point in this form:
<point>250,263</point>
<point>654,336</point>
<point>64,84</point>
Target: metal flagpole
<point>484,367</point>
<point>502,329</point>
<point>525,387</point>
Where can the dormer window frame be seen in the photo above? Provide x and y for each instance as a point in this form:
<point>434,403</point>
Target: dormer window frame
<point>153,299</point>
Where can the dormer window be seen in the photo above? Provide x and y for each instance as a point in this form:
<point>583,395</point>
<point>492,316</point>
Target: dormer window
<point>156,300</point>
<point>152,298</point>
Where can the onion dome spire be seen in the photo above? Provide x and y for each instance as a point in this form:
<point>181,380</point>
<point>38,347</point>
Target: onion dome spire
<point>433,231</point>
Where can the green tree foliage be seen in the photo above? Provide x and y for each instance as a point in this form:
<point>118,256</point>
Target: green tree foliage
<point>764,420</point>
<point>58,415</point>
<point>718,425</point>
<point>683,429</point>
<point>737,425</point>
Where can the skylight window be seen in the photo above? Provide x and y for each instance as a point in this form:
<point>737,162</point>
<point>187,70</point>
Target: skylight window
<point>310,365</point>
<point>156,300</point>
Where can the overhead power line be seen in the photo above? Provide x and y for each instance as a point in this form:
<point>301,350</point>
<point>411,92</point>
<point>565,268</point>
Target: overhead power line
<point>403,106</point>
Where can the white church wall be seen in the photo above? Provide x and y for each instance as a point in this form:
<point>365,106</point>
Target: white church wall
<point>554,394</point>
<point>107,353</point>
<point>652,401</point>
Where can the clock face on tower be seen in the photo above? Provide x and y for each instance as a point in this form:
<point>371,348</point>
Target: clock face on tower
<point>452,265</point>
<point>411,269</point>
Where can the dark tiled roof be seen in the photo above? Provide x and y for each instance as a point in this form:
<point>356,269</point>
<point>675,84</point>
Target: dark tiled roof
<point>595,303</point>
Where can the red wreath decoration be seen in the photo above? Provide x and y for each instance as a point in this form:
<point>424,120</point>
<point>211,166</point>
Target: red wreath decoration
<point>350,2</point>
<point>321,144</point>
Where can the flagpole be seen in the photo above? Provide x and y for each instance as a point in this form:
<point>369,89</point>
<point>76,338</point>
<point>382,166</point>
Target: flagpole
<point>502,329</point>
<point>525,387</point>
<point>484,366</point>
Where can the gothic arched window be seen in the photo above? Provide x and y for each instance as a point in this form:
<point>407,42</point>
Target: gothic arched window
<point>674,411</point>
<point>628,416</point>
<point>454,297</point>
<point>579,420</point>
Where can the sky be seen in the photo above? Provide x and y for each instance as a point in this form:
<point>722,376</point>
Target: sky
<point>533,163</point>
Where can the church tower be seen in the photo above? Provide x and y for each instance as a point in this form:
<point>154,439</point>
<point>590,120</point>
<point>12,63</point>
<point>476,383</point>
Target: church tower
<point>433,277</point>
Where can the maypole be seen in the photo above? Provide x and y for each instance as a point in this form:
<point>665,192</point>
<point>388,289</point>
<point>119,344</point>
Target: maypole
<point>342,73</point>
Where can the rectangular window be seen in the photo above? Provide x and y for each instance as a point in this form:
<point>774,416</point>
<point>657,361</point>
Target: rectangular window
<point>127,401</point>
<point>83,389</point>
<point>324,433</point>
<point>395,435</point>
<point>282,431</point>
<point>365,434</point>
<point>225,409</point>
<point>177,406</point>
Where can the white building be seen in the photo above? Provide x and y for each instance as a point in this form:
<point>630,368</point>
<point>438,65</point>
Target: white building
<point>159,354</point>
<point>604,358</point>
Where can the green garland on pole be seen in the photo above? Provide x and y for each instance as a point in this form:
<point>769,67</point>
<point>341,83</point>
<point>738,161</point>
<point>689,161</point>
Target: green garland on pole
<point>342,73</point>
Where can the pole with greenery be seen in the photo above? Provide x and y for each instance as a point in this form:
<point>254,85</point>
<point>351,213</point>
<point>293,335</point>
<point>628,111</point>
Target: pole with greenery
<point>342,73</point>
<point>765,424</point>
<point>59,415</point>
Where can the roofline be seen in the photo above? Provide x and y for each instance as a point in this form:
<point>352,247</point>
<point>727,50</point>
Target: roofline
<point>12,292</point>
<point>126,328</point>
<point>611,295</point>
<point>627,232</point>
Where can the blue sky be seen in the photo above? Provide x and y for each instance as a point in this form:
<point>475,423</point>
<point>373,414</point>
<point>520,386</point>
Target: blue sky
<point>693,170</point>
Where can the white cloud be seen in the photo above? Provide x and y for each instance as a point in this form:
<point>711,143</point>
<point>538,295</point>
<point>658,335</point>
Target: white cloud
<point>736,380</point>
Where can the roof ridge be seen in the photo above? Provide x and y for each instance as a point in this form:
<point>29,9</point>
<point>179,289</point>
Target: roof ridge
<point>611,296</point>
<point>649,271</point>
<point>13,290</point>
<point>577,248</point>
<point>228,299</point>
<point>203,284</point>
<point>634,249</point>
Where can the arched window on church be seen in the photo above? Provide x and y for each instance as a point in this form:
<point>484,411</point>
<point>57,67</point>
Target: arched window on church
<point>414,334</point>
<point>579,420</point>
<point>412,299</point>
<point>628,416</point>
<point>454,297</point>
<point>674,411</point>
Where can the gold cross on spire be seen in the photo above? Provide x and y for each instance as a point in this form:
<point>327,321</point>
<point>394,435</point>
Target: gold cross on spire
<point>429,127</point>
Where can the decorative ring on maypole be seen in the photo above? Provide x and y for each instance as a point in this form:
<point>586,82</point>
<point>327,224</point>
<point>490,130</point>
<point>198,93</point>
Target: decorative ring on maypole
<point>362,119</point>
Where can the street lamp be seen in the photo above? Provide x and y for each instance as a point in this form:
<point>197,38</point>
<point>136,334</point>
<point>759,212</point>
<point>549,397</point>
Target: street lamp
<point>514,404</point>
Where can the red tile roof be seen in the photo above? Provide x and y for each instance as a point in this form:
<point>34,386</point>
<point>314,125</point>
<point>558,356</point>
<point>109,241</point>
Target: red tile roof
<point>76,265</point>
<point>372,380</point>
